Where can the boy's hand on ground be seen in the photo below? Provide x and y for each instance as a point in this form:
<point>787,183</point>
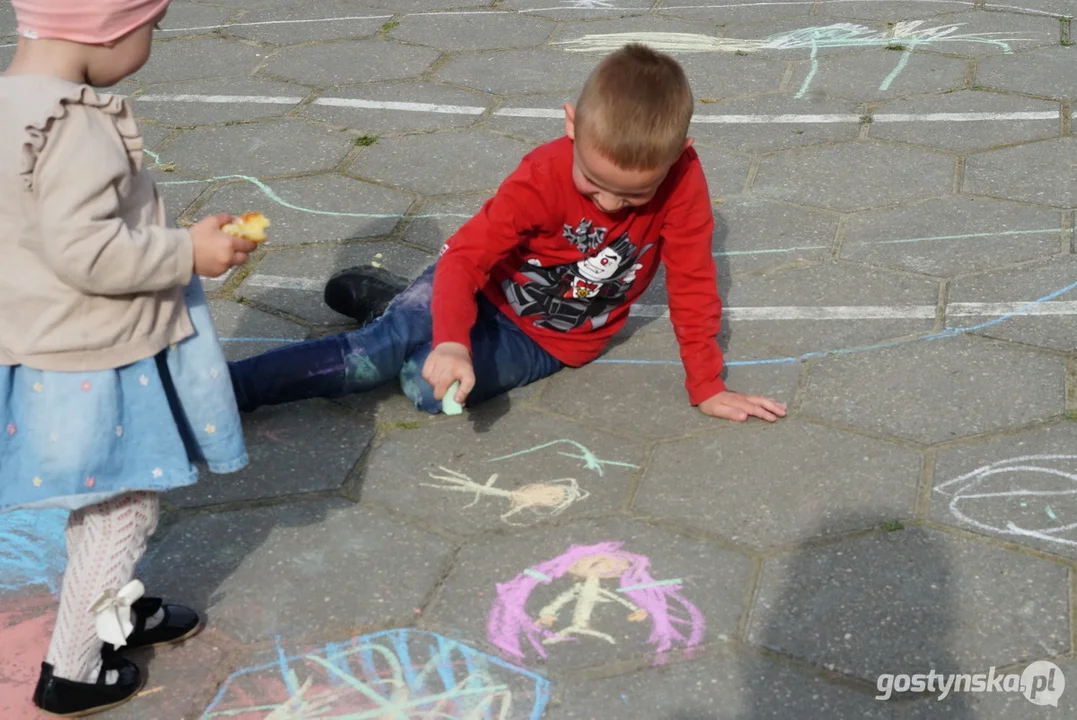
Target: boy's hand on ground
<point>446,364</point>
<point>215,251</point>
<point>735,406</point>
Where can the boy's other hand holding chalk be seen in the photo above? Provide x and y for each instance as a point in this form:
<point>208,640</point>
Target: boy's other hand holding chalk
<point>446,364</point>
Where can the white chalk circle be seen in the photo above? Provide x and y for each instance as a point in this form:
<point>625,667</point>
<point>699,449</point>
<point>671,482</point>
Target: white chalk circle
<point>1033,496</point>
<point>1042,683</point>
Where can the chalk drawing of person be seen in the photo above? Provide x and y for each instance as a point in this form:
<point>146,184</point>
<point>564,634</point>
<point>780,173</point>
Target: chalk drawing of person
<point>590,566</point>
<point>543,499</point>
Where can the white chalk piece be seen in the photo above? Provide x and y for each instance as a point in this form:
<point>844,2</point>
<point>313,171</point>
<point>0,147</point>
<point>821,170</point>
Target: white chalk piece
<point>448,403</point>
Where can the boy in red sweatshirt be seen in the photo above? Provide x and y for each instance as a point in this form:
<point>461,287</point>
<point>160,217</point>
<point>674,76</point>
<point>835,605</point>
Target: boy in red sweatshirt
<point>544,275</point>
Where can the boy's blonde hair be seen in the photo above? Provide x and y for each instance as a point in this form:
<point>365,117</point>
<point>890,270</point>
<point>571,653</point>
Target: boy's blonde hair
<point>635,108</point>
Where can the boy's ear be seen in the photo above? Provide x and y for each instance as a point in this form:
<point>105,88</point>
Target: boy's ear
<point>570,121</point>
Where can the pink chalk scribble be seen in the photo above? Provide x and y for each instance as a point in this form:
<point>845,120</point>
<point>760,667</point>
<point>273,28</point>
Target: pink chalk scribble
<point>643,596</point>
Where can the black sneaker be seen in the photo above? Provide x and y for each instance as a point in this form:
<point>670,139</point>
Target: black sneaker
<point>178,624</point>
<point>362,293</point>
<point>66,698</point>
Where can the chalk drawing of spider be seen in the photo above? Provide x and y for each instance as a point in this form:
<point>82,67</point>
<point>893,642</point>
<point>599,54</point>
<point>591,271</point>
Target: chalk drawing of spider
<point>544,499</point>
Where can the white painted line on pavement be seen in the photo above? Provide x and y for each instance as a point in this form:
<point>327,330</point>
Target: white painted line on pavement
<point>405,106</point>
<point>279,282</point>
<point>1055,308</point>
<point>221,99</point>
<point>226,26</point>
<point>557,113</point>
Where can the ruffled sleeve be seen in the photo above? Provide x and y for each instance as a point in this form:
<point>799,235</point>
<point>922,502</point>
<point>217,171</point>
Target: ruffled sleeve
<point>114,107</point>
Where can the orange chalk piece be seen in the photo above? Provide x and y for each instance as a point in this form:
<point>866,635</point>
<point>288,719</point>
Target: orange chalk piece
<point>250,225</point>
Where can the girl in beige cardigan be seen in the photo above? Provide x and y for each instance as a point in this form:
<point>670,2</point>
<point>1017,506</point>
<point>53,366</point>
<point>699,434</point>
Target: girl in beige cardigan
<point>112,381</point>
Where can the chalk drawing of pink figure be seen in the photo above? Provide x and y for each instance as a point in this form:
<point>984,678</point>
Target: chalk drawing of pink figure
<point>643,597</point>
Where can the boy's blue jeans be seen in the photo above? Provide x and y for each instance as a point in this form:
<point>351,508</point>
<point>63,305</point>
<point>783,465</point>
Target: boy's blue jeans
<point>395,345</point>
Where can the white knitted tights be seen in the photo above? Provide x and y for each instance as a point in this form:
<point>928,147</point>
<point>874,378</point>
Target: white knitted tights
<point>104,542</point>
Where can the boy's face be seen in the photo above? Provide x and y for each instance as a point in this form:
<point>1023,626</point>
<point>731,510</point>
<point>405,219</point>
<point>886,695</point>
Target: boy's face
<point>610,187</point>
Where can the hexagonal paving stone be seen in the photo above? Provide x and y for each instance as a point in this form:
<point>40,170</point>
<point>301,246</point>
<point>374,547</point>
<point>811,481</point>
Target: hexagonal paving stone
<point>293,280</point>
<point>500,586</point>
<point>178,193</point>
<point>286,443</point>
<point>884,175</point>
<point>189,18</point>
<point>994,34</point>
<point>756,234</point>
<point>536,119</point>
<point>893,10</point>
<point>1004,705</point>
<point>300,23</point>
<point>349,63</point>
<point>414,671</point>
<point>1016,487</point>
<point>437,220</point>
<point>789,39</point>
<point>301,569</point>
<point>177,60</point>
<point>1011,289</point>
<point>1055,8</point>
<point>906,391</point>
<point>520,72</point>
<point>572,11</point>
<point>792,496</point>
<point>910,601</point>
<point>160,102</point>
<point>369,109</point>
<point>468,33</point>
<point>7,20</point>
<point>741,684</point>
<point>436,473</point>
<point>606,24</point>
<point>878,75</point>
<point>731,76</point>
<point>729,12</point>
<point>833,285</point>
<point>638,389</point>
<point>320,208</point>
<point>1004,173</point>
<point>442,163</point>
<point>246,331</point>
<point>726,172</point>
<point>197,664</point>
<point>416,6</point>
<point>951,235</point>
<point>891,121</point>
<point>788,123</point>
<point>1047,73</point>
<point>277,147</point>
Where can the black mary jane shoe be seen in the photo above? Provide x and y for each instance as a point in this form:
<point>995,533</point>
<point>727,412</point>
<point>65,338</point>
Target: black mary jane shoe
<point>178,624</point>
<point>66,698</point>
<point>363,293</point>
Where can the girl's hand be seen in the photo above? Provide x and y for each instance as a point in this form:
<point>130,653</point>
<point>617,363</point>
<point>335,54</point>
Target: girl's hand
<point>215,251</point>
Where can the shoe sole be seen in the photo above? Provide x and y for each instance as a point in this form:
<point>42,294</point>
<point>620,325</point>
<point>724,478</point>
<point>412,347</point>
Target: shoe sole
<point>174,641</point>
<point>101,708</point>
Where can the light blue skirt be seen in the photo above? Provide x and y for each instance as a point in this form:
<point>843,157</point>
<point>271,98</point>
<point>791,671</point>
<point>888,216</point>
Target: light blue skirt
<point>75,439</point>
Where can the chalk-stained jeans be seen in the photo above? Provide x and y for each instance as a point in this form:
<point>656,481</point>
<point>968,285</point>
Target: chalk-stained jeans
<point>395,345</point>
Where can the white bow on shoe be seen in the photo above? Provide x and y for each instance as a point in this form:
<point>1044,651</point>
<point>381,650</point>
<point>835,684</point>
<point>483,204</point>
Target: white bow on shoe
<point>113,610</point>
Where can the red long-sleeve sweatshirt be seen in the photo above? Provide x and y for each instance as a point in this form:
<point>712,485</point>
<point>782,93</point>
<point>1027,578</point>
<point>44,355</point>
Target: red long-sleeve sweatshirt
<point>566,272</point>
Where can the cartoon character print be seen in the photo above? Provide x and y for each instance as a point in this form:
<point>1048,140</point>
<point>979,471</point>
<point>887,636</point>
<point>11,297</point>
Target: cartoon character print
<point>565,297</point>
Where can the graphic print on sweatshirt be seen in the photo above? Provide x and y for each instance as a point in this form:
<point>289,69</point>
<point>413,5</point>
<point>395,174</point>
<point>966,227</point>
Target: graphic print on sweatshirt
<point>566,297</point>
